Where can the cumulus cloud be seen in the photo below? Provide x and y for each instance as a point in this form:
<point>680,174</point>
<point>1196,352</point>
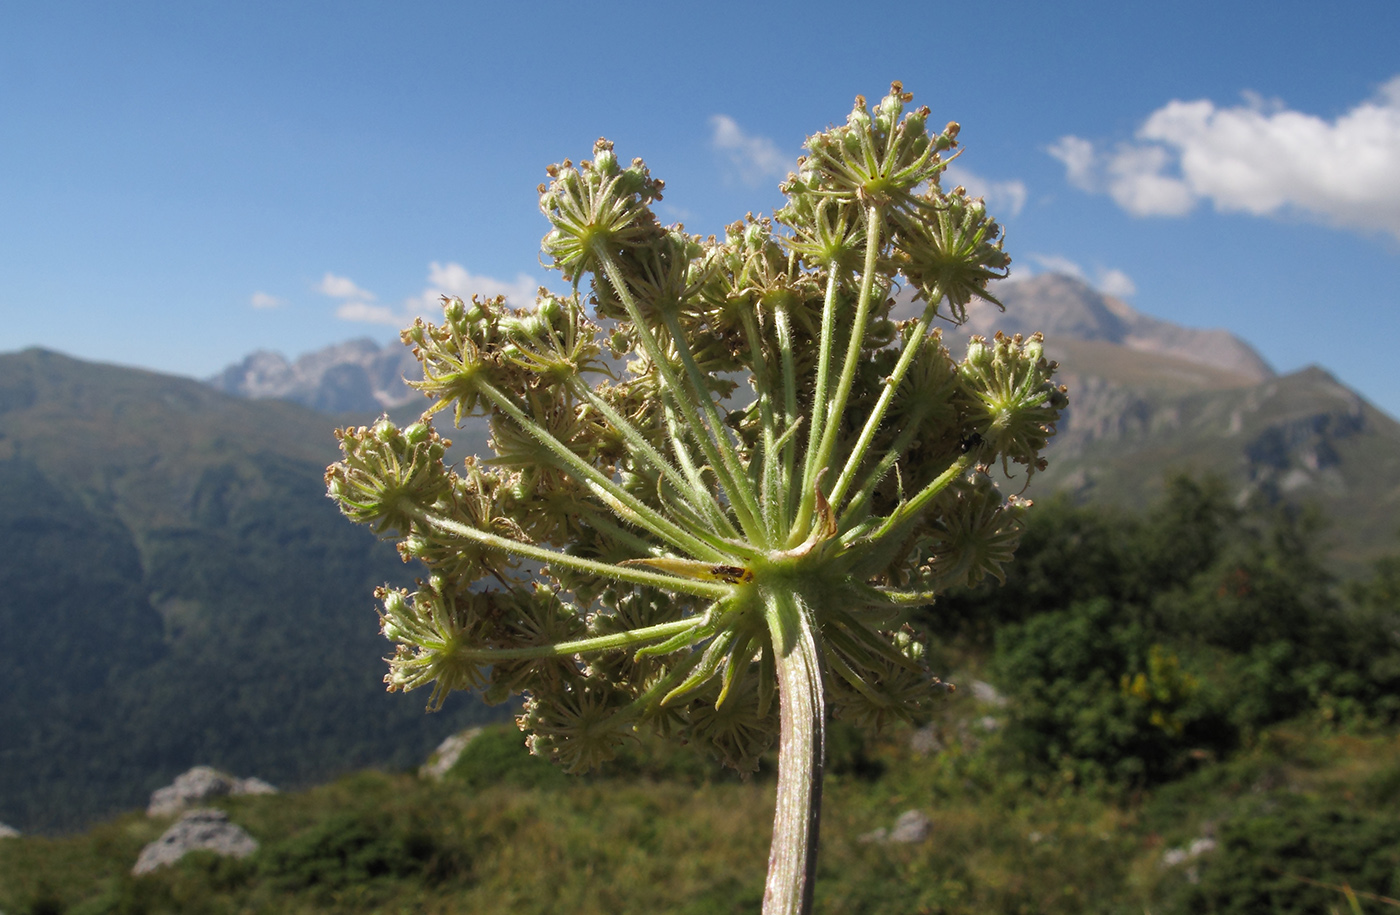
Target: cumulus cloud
<point>754,158</point>
<point>1260,158</point>
<point>341,287</point>
<point>263,300</point>
<point>1107,280</point>
<point>1004,198</point>
<point>366,313</point>
<point>455,280</point>
<point>448,279</point>
<point>1115,283</point>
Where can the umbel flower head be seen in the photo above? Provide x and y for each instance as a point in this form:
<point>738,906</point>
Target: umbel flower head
<point>722,474</point>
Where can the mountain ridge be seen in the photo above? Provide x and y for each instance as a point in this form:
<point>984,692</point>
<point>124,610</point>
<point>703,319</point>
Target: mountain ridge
<point>1066,308</point>
<point>236,626</point>
<point>1146,401</point>
<point>362,375</point>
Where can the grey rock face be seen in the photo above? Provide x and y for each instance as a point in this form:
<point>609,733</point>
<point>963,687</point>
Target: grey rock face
<point>925,741</point>
<point>202,829</point>
<point>1065,308</point>
<point>198,785</point>
<point>911,827</point>
<point>987,693</point>
<point>358,376</point>
<point>447,754</point>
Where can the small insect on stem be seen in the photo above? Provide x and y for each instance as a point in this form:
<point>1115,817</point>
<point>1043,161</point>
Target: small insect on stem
<point>732,574</point>
<point>692,569</point>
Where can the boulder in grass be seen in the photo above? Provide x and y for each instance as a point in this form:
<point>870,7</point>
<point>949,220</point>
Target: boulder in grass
<point>198,785</point>
<point>198,830</point>
<point>8,832</point>
<point>447,754</point>
<point>912,826</point>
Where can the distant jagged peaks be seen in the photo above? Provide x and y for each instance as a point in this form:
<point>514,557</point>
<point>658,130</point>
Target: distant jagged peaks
<point>364,376</point>
<point>356,376</point>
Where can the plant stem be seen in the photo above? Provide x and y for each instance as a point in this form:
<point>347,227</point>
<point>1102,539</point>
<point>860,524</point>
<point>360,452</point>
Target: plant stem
<point>877,413</point>
<point>622,502</point>
<point>792,858</point>
<point>711,437</point>
<point>582,646</point>
<point>706,589</point>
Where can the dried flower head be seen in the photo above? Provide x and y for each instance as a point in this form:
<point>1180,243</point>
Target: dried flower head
<point>722,474</point>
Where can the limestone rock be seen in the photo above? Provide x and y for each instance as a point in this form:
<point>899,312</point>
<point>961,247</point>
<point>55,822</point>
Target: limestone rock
<point>1174,857</point>
<point>200,784</point>
<point>8,832</point>
<point>988,694</point>
<point>200,829</point>
<point>926,741</point>
<point>447,754</point>
<point>912,826</point>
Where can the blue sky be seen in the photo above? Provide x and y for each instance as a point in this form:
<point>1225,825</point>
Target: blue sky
<point>184,183</point>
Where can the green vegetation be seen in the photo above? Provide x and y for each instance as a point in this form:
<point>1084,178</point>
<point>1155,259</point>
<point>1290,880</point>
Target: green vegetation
<point>1067,799</point>
<point>176,586</point>
<point>1137,647</point>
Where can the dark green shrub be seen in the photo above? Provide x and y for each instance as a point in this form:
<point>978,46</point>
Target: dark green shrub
<point>498,756</point>
<point>348,849</point>
<point>1289,860</point>
<point>1097,698</point>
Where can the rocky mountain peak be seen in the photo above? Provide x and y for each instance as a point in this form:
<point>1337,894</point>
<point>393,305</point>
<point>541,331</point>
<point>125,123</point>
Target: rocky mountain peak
<point>356,376</point>
<point>1067,308</point>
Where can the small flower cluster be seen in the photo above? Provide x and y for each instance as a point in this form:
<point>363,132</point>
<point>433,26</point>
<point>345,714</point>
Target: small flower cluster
<point>712,453</point>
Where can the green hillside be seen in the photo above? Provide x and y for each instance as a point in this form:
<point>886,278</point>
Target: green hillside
<point>179,591</point>
<point>1175,712</point>
<point>1303,439</point>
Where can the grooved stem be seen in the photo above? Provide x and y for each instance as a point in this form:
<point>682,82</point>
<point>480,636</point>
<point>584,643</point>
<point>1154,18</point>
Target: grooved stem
<point>792,858</point>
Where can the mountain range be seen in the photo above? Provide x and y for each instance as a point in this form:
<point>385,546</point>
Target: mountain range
<point>1148,399</point>
<point>177,591</point>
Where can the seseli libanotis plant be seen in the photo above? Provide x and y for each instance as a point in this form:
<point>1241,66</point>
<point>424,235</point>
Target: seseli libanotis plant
<point>723,474</point>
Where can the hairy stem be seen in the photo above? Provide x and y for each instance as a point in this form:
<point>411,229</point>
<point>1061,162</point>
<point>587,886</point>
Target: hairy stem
<point>626,505</point>
<point>790,416</point>
<point>688,487</point>
<point>910,509</point>
<point>712,590</point>
<point>819,415</point>
<point>833,409</point>
<point>877,414</point>
<point>685,399</point>
<point>792,858</point>
<point>581,646</point>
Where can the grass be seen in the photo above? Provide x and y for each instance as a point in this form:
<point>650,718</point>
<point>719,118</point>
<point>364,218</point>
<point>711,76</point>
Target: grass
<point>669,833</point>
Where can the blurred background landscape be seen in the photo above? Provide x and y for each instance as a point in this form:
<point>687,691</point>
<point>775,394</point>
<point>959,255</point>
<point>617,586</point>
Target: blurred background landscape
<point>1188,691</point>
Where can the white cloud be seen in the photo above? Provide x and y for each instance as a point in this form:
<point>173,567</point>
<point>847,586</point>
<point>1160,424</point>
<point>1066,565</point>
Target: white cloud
<point>448,279</point>
<point>263,300</point>
<point>1078,156</point>
<point>1054,263</point>
<point>1115,283</point>
<point>455,280</point>
<point>754,158</point>
<point>1107,280</point>
<point>1007,196</point>
<point>365,313</point>
<point>340,287</point>
<point>1259,158</point>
